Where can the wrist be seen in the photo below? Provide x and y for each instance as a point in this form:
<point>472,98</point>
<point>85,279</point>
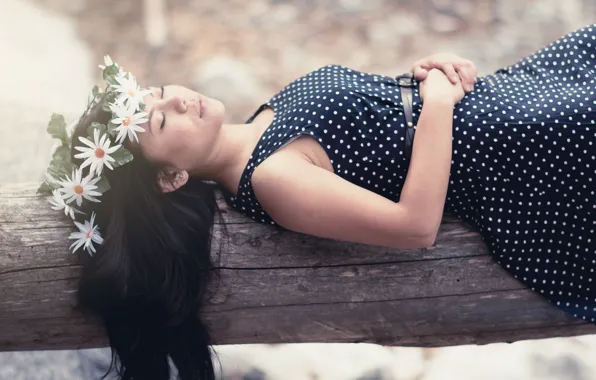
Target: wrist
<point>439,100</point>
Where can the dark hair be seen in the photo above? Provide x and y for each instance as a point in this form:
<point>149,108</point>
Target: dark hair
<point>150,277</point>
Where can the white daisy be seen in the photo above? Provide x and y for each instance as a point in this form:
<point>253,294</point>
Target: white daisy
<point>107,60</point>
<point>58,204</point>
<point>128,122</point>
<point>78,188</point>
<point>97,152</point>
<point>130,94</point>
<point>87,234</point>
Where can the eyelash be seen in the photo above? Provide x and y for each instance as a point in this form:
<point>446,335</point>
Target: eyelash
<point>163,121</point>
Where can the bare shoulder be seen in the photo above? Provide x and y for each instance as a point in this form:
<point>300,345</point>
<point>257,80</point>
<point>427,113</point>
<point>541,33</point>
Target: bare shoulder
<point>306,198</point>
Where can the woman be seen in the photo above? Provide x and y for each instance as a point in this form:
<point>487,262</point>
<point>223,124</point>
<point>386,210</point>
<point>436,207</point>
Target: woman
<point>512,154</point>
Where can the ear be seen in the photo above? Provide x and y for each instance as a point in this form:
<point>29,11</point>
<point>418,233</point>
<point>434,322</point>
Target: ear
<point>171,180</point>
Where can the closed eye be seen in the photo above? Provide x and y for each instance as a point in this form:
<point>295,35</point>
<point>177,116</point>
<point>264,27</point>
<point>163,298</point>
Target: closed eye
<point>163,120</point>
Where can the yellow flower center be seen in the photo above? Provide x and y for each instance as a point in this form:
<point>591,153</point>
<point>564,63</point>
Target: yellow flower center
<point>131,93</point>
<point>126,122</point>
<point>99,153</point>
<point>78,189</point>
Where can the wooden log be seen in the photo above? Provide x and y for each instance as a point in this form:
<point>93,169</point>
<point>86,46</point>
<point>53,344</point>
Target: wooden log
<point>285,287</point>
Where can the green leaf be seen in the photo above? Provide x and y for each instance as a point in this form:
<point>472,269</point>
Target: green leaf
<point>112,129</point>
<point>110,97</point>
<point>59,169</point>
<point>48,184</point>
<point>103,185</point>
<point>122,156</point>
<point>62,153</point>
<point>111,81</point>
<point>101,127</point>
<point>93,95</point>
<point>45,188</point>
<point>57,128</point>
<point>109,73</point>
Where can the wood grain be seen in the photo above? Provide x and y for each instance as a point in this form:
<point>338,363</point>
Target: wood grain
<point>284,287</point>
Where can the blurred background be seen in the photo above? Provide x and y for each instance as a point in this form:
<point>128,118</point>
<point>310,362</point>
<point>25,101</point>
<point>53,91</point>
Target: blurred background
<point>242,52</point>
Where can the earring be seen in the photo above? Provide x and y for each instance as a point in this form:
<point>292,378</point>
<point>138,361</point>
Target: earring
<point>180,176</point>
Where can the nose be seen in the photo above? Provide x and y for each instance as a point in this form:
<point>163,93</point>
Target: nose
<point>175,103</point>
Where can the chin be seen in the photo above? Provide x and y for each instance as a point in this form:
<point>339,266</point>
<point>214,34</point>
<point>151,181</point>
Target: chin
<point>217,111</point>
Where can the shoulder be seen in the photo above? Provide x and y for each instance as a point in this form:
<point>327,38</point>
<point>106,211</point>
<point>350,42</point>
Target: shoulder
<point>278,178</point>
<point>283,158</point>
<point>303,197</point>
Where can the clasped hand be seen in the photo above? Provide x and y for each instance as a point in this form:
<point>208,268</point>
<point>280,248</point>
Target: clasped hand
<point>445,76</point>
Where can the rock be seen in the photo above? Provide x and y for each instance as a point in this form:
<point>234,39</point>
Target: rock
<point>39,365</point>
<point>376,374</point>
<point>255,374</point>
<point>360,5</point>
<point>394,28</point>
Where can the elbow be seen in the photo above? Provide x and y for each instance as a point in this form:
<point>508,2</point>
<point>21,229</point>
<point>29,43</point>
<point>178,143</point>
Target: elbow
<point>428,239</point>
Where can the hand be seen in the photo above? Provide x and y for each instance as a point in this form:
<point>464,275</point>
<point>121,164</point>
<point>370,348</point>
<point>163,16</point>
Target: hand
<point>454,66</point>
<point>437,86</point>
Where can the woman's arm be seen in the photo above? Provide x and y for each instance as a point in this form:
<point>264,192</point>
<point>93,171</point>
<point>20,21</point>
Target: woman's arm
<point>306,198</point>
<point>425,187</point>
<point>320,203</point>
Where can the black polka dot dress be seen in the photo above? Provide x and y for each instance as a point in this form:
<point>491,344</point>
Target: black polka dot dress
<point>523,167</point>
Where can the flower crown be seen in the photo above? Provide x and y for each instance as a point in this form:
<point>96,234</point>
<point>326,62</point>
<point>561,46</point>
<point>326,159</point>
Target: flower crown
<point>64,180</point>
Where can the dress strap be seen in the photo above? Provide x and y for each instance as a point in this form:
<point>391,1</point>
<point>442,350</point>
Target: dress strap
<point>406,83</point>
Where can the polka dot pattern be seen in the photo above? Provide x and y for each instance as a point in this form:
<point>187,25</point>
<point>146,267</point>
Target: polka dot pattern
<point>357,118</point>
<point>523,170</point>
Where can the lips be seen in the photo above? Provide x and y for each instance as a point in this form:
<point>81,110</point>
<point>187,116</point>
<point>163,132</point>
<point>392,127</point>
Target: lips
<point>198,106</point>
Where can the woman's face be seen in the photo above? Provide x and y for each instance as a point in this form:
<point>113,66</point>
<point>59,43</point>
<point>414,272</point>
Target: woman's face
<point>182,128</point>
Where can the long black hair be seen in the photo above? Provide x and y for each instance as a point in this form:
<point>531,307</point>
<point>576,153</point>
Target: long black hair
<point>151,276</point>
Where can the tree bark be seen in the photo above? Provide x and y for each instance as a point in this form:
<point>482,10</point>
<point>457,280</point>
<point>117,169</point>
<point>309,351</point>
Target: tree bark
<point>284,287</point>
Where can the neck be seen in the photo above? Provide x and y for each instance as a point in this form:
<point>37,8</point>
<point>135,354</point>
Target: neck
<point>230,155</point>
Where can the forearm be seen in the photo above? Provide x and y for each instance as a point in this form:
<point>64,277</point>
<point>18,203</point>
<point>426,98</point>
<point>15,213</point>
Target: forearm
<point>425,188</point>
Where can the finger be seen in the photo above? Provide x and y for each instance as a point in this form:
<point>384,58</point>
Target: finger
<point>468,73</point>
<point>449,70</point>
<point>467,80</point>
<point>473,68</point>
<point>418,63</point>
<point>420,73</point>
